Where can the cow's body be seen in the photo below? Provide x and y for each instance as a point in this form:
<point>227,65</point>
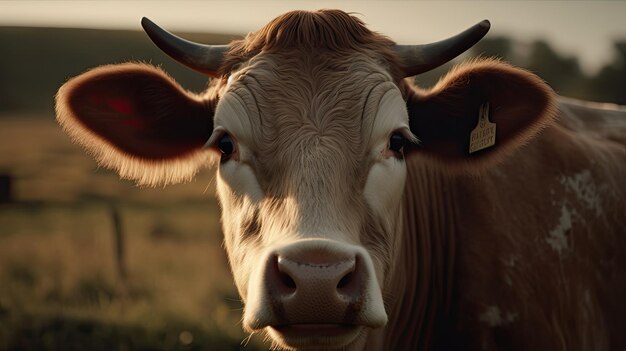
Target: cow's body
<point>527,255</point>
<point>505,247</point>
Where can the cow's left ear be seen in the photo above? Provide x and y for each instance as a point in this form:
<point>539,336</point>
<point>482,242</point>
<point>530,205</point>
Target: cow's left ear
<point>137,120</point>
<point>445,118</point>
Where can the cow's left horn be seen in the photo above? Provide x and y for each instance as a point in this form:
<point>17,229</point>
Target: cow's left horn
<point>199,57</point>
<point>422,58</point>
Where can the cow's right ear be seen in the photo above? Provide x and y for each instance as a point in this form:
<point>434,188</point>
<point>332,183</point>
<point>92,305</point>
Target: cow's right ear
<point>137,120</point>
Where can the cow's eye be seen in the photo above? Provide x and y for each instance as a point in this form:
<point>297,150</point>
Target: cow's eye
<point>396,143</point>
<point>226,147</point>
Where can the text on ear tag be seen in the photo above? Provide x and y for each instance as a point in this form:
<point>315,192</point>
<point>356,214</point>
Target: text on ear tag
<point>484,135</point>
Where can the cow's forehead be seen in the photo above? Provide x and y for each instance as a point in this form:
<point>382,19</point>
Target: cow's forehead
<point>304,95</point>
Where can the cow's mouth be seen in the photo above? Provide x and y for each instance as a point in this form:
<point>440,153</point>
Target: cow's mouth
<point>316,335</point>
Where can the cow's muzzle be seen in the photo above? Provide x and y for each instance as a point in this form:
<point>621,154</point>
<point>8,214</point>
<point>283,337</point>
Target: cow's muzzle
<point>315,288</point>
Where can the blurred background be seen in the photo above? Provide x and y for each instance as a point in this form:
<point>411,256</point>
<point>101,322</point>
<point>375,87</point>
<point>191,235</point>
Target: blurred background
<point>91,262</point>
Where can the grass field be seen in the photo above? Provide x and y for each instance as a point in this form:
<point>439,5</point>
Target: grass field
<point>62,283</point>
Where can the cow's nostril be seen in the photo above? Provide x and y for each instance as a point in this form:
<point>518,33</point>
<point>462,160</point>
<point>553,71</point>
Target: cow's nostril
<point>287,281</point>
<point>352,280</point>
<point>345,281</point>
<point>282,279</point>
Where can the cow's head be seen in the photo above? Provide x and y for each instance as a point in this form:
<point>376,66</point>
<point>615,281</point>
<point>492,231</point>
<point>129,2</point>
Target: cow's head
<point>311,122</point>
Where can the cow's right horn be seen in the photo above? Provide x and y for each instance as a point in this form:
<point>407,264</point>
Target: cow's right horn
<point>422,58</point>
<point>199,57</point>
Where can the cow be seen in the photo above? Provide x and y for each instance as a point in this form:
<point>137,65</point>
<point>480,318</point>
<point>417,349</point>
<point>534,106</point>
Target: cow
<point>360,211</point>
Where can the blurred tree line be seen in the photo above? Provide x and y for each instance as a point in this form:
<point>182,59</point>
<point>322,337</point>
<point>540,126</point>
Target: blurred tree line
<point>563,72</point>
<point>36,61</point>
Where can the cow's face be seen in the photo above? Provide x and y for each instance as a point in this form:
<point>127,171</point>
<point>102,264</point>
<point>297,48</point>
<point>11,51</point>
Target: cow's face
<point>310,181</point>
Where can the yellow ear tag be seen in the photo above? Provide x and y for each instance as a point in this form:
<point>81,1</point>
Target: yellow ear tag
<point>484,135</point>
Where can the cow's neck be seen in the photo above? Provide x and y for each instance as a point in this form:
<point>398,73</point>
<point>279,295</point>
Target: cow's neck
<point>422,287</point>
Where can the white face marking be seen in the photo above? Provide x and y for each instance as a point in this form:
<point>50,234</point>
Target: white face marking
<point>238,188</point>
<point>385,181</point>
<point>237,176</point>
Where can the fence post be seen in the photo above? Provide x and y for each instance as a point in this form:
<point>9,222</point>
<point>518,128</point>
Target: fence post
<point>6,194</point>
<point>119,243</point>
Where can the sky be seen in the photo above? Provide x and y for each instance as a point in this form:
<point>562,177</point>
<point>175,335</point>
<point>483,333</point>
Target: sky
<point>582,28</point>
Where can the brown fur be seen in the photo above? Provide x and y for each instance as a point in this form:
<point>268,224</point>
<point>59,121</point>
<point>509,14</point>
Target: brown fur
<point>323,30</point>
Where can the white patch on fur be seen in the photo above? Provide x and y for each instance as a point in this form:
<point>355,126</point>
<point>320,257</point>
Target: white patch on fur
<point>558,236</point>
<point>511,261</point>
<point>586,191</point>
<point>238,176</point>
<point>508,280</point>
<point>493,317</point>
